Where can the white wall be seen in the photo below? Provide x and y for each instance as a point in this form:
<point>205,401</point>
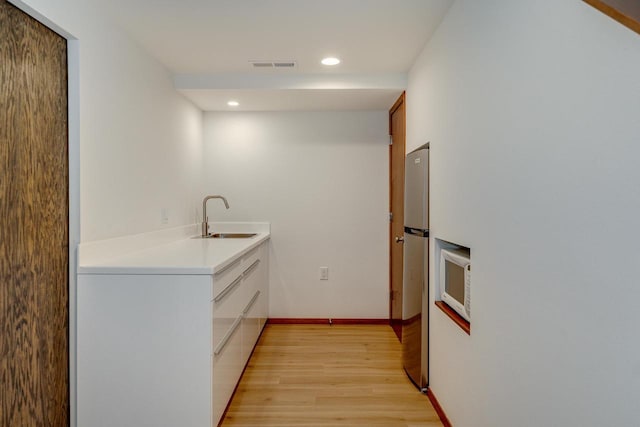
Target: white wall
<point>140,141</point>
<point>321,179</point>
<point>532,110</point>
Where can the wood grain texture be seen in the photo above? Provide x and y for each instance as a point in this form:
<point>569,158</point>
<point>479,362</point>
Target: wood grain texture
<point>626,12</point>
<point>397,129</point>
<point>318,375</point>
<point>34,355</point>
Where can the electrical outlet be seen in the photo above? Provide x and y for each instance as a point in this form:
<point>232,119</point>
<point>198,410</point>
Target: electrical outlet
<point>324,273</point>
<point>164,216</point>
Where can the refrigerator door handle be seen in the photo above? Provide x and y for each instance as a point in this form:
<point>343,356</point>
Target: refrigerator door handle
<point>399,239</point>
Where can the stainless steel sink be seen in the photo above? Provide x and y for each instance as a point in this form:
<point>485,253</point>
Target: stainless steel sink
<point>230,236</point>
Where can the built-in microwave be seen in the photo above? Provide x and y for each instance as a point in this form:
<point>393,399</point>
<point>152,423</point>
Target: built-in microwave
<point>455,280</point>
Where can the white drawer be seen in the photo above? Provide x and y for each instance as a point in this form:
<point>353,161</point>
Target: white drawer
<point>251,325</point>
<point>234,289</point>
<point>224,278</point>
<point>227,306</point>
<point>227,368</point>
<point>250,257</point>
<point>251,277</point>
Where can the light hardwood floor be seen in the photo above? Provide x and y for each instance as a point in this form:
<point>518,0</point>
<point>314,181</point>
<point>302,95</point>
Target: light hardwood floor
<point>317,375</point>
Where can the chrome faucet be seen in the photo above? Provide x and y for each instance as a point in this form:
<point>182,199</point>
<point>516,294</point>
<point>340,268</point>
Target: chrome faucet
<point>205,218</point>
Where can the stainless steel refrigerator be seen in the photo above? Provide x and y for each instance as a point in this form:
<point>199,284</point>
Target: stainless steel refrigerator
<point>415,282</point>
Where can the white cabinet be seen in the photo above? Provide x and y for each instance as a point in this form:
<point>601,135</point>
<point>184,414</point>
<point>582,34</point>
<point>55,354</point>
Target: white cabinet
<point>143,350</point>
<point>227,368</point>
<point>238,292</point>
<point>167,349</point>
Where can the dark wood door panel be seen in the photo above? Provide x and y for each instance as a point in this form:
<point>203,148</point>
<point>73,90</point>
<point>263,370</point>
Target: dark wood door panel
<point>34,356</point>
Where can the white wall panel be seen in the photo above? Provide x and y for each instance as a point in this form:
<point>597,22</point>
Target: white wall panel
<point>321,179</point>
<point>140,141</point>
<point>531,108</point>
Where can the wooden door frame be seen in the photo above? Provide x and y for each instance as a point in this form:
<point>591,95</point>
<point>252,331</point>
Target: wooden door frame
<point>73,143</point>
<point>400,101</point>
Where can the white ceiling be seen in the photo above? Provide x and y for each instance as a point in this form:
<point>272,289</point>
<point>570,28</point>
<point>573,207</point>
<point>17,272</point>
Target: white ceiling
<point>210,40</point>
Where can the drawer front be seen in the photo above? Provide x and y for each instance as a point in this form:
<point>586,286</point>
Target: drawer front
<point>239,309</point>
<point>235,291</point>
<point>227,309</point>
<point>251,256</point>
<point>251,277</point>
<point>226,277</point>
<point>227,368</point>
<point>251,325</point>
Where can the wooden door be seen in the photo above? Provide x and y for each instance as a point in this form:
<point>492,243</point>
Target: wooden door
<point>396,208</point>
<point>34,252</point>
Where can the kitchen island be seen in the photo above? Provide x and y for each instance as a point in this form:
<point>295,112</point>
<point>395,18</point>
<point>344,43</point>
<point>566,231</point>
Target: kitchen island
<point>166,323</point>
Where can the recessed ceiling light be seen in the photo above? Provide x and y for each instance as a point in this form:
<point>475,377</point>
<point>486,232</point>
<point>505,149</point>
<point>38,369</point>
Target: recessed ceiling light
<point>233,103</point>
<point>330,61</point>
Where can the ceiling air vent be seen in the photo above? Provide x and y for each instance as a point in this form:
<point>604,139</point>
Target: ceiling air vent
<point>273,64</point>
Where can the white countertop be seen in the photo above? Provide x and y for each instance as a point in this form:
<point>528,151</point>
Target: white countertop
<point>149,254</point>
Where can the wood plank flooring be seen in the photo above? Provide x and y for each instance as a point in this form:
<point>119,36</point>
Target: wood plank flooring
<point>321,375</point>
